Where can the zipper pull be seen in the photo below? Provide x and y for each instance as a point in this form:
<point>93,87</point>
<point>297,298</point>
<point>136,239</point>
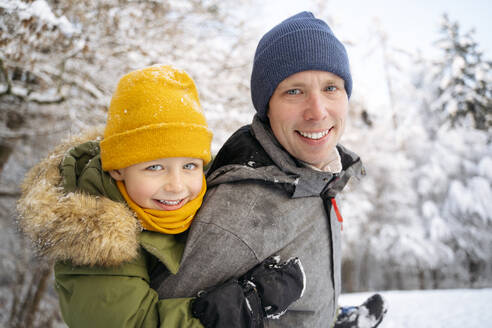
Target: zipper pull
<point>337,211</point>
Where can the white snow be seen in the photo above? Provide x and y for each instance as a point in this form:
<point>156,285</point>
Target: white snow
<point>455,308</point>
<point>485,167</point>
<point>42,10</point>
<point>458,66</point>
<point>366,320</point>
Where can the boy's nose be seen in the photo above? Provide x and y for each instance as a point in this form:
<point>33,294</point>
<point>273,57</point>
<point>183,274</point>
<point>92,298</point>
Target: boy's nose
<point>173,183</point>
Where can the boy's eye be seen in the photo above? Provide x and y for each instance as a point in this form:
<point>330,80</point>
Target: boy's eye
<point>190,166</point>
<point>155,167</point>
<point>293,91</point>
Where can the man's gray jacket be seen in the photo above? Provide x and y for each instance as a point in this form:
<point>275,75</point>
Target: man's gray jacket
<point>262,202</point>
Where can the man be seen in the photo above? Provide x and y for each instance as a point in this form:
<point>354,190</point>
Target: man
<point>272,186</point>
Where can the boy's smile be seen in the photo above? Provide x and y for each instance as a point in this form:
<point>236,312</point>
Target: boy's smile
<point>169,205</point>
<point>165,184</point>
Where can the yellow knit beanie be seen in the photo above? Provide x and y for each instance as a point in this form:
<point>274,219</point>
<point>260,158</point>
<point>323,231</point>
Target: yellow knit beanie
<point>155,113</point>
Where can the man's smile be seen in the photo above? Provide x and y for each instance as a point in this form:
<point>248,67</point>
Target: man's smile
<point>314,135</point>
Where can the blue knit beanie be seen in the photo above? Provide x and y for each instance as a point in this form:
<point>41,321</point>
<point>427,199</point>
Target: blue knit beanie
<point>300,43</point>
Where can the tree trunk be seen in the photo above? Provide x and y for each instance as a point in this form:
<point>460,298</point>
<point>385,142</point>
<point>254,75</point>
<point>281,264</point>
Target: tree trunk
<point>44,272</point>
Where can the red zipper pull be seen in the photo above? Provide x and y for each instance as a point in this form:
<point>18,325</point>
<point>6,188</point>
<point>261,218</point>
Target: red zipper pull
<point>337,211</point>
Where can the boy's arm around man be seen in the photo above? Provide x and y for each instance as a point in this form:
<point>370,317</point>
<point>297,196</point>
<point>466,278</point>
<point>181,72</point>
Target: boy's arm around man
<point>106,264</point>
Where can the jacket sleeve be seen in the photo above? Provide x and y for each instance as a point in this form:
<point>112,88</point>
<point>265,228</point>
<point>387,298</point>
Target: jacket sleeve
<point>176,312</point>
<point>116,297</point>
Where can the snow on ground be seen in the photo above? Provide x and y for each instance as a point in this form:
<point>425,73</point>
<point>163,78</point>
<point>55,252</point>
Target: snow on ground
<point>456,308</point>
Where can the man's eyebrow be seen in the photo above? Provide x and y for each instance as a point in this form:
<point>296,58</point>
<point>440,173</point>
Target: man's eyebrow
<point>289,84</point>
<point>292,84</point>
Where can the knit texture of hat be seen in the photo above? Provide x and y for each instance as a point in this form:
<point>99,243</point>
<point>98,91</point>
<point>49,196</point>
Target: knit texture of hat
<point>300,43</point>
<point>155,113</point>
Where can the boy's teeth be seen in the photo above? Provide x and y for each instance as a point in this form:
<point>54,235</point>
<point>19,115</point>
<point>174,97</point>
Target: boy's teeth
<point>314,135</point>
<point>169,202</point>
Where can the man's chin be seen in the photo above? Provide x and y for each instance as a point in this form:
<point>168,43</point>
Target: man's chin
<point>315,160</point>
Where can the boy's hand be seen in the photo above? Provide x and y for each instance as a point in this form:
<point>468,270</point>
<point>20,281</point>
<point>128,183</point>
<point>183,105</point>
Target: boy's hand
<point>228,305</point>
<point>266,290</point>
<point>278,285</point>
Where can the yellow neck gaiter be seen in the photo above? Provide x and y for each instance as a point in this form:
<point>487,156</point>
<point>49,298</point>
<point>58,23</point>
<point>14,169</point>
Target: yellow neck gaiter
<point>170,222</point>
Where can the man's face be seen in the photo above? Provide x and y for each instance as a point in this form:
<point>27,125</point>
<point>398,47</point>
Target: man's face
<point>165,184</point>
<point>307,114</point>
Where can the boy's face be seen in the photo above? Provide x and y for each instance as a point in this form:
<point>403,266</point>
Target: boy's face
<point>165,184</point>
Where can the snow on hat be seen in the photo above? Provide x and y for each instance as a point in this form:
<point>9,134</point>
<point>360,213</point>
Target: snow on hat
<point>155,113</point>
<point>299,43</point>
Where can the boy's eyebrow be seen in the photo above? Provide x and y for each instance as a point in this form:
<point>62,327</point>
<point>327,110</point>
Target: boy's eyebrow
<point>332,81</point>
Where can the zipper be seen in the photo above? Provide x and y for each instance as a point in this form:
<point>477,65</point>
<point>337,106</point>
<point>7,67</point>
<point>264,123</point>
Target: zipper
<point>337,212</point>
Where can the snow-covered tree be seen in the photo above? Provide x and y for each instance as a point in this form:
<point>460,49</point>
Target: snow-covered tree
<point>60,62</point>
<point>387,245</point>
<point>465,79</point>
<point>452,176</point>
<point>419,218</point>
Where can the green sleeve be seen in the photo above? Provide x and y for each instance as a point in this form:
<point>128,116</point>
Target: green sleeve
<point>106,297</point>
<point>176,312</point>
<point>117,297</point>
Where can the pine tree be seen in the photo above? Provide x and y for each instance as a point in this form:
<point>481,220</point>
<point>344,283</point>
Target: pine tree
<point>452,178</point>
<point>465,81</point>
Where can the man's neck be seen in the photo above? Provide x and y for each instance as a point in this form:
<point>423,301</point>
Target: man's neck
<point>332,165</point>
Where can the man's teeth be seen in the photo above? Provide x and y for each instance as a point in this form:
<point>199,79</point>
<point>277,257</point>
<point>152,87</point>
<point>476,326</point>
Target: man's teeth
<point>169,202</point>
<point>314,135</point>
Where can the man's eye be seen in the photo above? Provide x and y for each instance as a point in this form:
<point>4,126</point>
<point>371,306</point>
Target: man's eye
<point>293,91</point>
<point>331,88</point>
<point>189,166</point>
<point>155,167</point>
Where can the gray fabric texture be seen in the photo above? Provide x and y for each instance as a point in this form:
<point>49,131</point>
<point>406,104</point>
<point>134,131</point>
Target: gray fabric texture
<point>248,215</point>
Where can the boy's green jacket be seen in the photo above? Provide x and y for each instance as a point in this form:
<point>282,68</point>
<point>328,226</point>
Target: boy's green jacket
<point>104,260</point>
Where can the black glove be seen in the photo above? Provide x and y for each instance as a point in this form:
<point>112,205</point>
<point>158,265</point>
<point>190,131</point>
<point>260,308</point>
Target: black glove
<point>369,314</point>
<point>228,305</point>
<point>278,285</point>
<point>266,290</point>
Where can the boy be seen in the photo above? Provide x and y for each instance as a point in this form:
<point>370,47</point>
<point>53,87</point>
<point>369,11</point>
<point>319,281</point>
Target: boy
<point>112,214</point>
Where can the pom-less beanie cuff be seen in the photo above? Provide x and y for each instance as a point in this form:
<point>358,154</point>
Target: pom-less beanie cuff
<point>156,141</point>
<point>300,43</point>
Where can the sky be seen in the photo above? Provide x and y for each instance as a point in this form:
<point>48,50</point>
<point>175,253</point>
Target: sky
<point>416,23</point>
<point>411,26</point>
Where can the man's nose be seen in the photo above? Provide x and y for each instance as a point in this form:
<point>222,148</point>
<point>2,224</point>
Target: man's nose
<point>315,107</point>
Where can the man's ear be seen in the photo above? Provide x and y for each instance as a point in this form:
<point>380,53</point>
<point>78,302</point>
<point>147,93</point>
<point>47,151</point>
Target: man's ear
<point>117,175</point>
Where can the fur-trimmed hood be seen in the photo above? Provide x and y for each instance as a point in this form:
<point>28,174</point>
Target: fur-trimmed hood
<point>83,229</point>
